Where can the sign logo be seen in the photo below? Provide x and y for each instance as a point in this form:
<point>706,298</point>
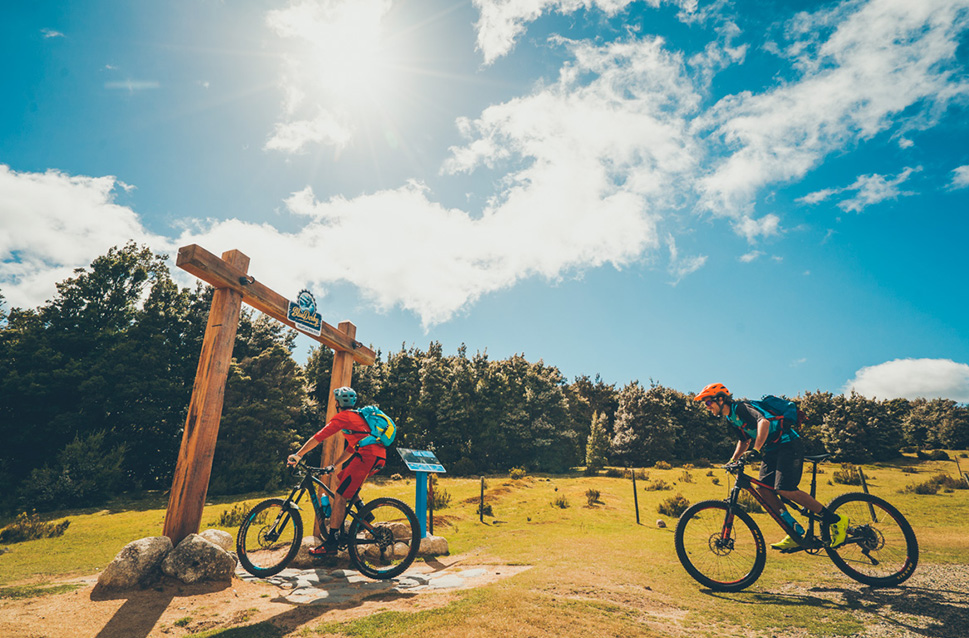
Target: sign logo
<point>303,314</point>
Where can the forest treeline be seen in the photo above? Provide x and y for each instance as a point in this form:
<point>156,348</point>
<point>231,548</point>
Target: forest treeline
<point>95,385</point>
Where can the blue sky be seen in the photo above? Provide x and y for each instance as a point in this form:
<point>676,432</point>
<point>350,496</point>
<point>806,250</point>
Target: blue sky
<point>774,195</point>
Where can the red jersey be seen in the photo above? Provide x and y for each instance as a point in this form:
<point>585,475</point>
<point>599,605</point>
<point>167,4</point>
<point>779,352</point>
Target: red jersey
<point>354,429</point>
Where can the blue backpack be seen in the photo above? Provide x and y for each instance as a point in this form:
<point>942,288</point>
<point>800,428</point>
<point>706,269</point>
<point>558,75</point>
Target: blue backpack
<point>383,430</point>
<point>784,412</point>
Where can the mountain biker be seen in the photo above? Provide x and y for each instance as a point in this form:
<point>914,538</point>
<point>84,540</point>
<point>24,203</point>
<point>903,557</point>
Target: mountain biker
<point>781,451</point>
<point>357,463</point>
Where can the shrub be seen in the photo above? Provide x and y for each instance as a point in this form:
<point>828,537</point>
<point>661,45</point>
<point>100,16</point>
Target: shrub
<point>710,473</point>
<point>86,472</point>
<point>233,517</point>
<point>517,473</point>
<point>659,485</point>
<point>749,504</point>
<point>686,477</point>
<point>847,475</point>
<point>396,477</point>
<point>908,469</point>
<point>29,527</point>
<point>673,506</point>
<point>704,463</point>
<point>932,455</point>
<point>688,466</point>
<point>462,467</point>
<point>615,472</point>
<point>715,480</point>
<point>663,465</point>
<point>923,488</point>
<point>485,509</point>
<point>440,499</point>
<point>560,502</point>
<point>592,496</point>
<point>944,480</point>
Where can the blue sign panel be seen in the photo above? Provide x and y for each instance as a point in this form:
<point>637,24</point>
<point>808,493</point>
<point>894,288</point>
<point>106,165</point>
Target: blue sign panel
<point>303,314</point>
<point>420,460</point>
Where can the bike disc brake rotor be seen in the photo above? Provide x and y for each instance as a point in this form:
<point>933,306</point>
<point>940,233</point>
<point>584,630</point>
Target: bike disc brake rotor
<point>719,545</point>
<point>869,538</point>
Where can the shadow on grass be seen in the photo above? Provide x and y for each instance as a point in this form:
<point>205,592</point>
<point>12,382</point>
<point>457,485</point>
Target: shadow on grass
<point>920,611</point>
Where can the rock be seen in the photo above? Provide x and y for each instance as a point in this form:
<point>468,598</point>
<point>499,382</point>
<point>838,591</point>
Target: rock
<point>303,559</point>
<point>197,559</point>
<point>220,538</point>
<point>660,523</point>
<point>136,564</point>
<point>433,546</point>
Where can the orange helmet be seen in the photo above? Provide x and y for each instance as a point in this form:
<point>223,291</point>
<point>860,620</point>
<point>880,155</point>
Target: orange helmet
<point>713,391</point>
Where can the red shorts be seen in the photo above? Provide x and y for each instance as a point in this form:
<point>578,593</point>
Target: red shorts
<point>355,471</point>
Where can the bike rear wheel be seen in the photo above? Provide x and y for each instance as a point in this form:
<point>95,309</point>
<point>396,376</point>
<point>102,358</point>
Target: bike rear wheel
<point>387,545</point>
<point>722,552</point>
<point>880,549</point>
<point>269,538</point>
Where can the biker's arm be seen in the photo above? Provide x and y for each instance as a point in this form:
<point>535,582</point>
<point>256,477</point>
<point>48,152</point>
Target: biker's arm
<point>763,430</point>
<point>309,445</point>
<point>741,448</point>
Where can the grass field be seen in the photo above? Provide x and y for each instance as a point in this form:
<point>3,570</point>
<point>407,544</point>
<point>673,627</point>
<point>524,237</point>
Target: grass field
<point>595,572</point>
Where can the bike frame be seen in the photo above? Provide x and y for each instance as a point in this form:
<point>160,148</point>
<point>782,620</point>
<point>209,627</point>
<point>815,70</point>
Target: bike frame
<point>307,484</point>
<point>808,542</point>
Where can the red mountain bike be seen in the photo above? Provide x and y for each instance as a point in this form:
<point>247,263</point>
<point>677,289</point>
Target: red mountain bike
<point>721,546</point>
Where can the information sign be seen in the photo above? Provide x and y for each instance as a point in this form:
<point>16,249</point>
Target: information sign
<point>420,460</point>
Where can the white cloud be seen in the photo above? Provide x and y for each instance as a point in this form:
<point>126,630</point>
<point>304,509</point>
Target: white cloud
<point>960,178</point>
<point>751,256</point>
<point>51,33</point>
<point>882,57</point>
<point>913,378</point>
<point>871,189</point>
<point>502,22</point>
<point>51,223</point>
<point>867,189</point>
<point>680,267</point>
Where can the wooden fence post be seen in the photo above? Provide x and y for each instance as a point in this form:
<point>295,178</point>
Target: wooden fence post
<point>194,466</point>
<point>632,471</point>
<point>864,486</point>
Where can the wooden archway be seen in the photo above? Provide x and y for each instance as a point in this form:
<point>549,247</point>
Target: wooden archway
<point>233,286</point>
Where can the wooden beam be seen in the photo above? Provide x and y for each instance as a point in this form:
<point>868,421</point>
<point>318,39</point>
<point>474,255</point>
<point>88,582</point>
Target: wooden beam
<point>191,481</point>
<point>219,274</point>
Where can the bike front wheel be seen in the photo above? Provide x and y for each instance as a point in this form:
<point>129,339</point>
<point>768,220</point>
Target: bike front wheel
<point>719,546</point>
<point>269,538</point>
<point>880,549</point>
<point>384,539</point>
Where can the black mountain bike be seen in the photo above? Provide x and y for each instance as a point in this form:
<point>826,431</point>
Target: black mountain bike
<point>720,545</point>
<point>382,539</point>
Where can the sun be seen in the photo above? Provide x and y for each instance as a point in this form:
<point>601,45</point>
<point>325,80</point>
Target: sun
<point>337,54</point>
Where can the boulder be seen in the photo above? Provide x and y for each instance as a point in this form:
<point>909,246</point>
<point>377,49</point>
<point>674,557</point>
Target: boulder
<point>136,564</point>
<point>433,546</point>
<point>197,559</point>
<point>220,538</point>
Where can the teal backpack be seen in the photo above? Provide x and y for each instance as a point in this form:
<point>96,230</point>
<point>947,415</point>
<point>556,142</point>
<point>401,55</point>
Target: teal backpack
<point>784,412</point>
<point>383,430</point>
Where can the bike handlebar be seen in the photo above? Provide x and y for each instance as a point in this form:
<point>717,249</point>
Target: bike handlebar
<point>302,466</point>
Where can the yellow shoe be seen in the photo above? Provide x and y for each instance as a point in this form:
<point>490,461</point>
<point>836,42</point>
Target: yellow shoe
<point>838,531</point>
<point>785,544</point>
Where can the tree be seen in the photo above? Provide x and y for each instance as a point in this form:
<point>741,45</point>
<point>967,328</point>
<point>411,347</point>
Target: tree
<point>644,430</point>
<point>597,447</point>
<point>262,420</point>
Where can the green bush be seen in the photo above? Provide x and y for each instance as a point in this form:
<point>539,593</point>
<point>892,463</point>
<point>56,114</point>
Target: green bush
<point>484,510</point>
<point>673,506</point>
<point>932,455</point>
<point>908,469</point>
<point>715,480</point>
<point>847,475</point>
<point>615,472</point>
<point>440,499</point>
<point>686,477</point>
<point>561,502</point>
<point>85,473</point>
<point>234,516</point>
<point>659,485</point>
<point>663,465</point>
<point>29,527</point>
<point>517,473</point>
<point>945,481</point>
<point>923,488</point>
<point>592,496</point>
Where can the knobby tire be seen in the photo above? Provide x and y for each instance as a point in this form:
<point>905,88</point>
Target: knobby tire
<point>264,557</point>
<point>730,564</point>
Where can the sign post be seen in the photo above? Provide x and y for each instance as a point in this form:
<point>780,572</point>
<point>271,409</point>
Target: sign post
<point>422,462</point>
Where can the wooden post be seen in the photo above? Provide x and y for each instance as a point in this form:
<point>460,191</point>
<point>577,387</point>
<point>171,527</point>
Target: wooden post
<point>340,376</point>
<point>632,471</point>
<point>864,486</point>
<point>481,504</point>
<point>194,466</point>
<point>430,504</point>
